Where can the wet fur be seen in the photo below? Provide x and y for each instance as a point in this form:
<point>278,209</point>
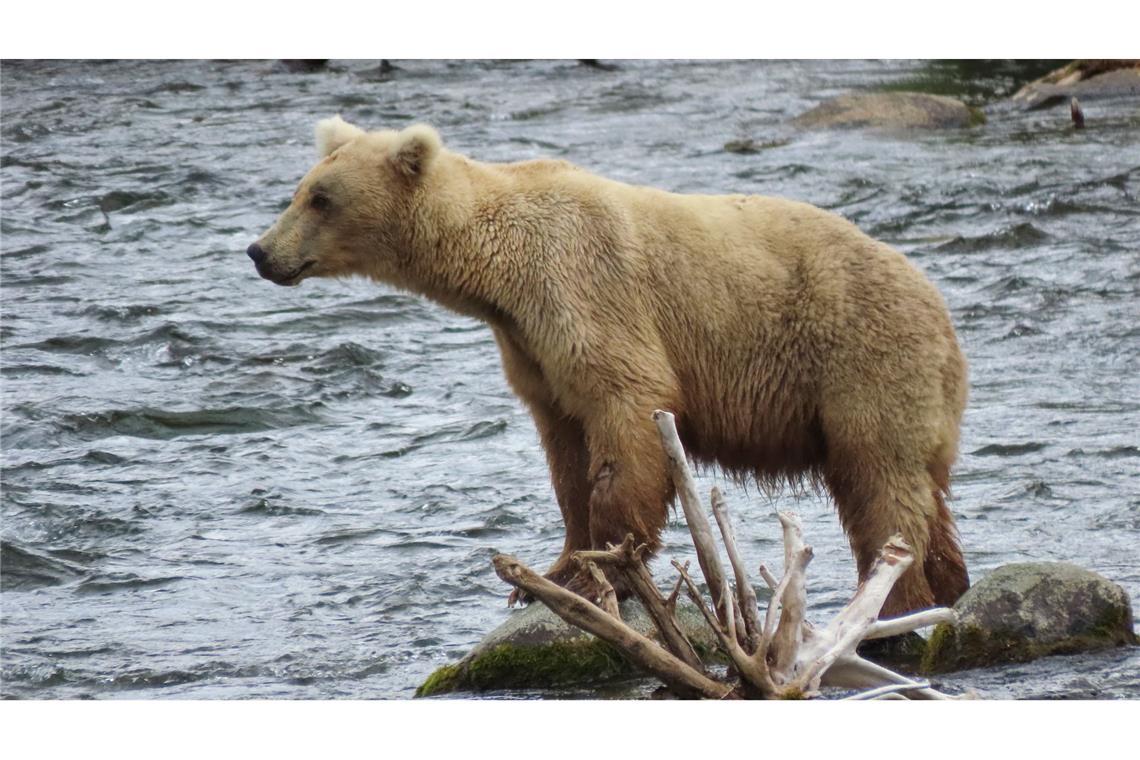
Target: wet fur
<point>791,346</point>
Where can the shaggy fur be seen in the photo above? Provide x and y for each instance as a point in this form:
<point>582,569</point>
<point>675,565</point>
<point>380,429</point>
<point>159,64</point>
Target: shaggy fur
<point>788,343</point>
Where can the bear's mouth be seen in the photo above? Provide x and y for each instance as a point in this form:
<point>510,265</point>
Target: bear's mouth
<point>290,278</point>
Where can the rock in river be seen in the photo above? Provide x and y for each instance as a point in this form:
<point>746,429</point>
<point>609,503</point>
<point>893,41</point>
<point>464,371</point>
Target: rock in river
<point>892,110</point>
<point>1017,613</point>
<point>1087,80</point>
<point>1023,611</point>
<point>535,649</point>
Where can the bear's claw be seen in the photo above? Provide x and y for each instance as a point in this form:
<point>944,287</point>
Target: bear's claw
<point>520,597</point>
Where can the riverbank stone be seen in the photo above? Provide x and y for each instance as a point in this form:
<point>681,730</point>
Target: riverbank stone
<point>890,110</point>
<point>1087,80</point>
<point>1023,611</point>
<point>535,649</point>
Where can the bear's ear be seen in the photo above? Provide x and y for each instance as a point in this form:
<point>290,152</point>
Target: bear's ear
<point>414,149</point>
<point>333,133</point>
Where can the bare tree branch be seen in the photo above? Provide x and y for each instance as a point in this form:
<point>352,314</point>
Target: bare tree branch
<point>785,656</point>
<point>698,524</point>
<point>609,600</point>
<point>646,653</point>
<point>627,560</point>
<point>744,591</point>
<point>881,629</point>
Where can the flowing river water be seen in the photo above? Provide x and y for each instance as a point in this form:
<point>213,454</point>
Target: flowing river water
<point>214,487</point>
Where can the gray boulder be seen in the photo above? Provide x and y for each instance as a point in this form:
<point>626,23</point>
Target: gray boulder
<point>1020,612</point>
<point>1085,80</point>
<point>535,649</point>
<point>891,110</point>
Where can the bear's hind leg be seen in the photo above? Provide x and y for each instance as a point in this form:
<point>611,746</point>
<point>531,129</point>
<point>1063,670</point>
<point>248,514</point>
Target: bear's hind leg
<point>874,503</point>
<point>944,565</point>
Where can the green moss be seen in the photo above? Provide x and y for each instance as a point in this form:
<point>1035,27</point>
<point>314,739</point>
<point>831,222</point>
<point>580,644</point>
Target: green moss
<point>793,694</point>
<point>970,647</point>
<point>709,653</point>
<point>939,639</point>
<point>974,82</point>
<point>1069,69</point>
<point>443,681</point>
<point>952,649</point>
<point>1116,625</point>
<point>977,116</point>
<point>510,666</point>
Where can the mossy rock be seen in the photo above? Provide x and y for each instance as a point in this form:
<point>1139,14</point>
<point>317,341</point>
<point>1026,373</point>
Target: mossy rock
<point>1024,611</point>
<point>535,649</point>
<point>891,110</point>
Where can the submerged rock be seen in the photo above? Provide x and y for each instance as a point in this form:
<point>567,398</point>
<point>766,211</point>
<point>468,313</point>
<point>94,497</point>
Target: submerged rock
<point>895,110</point>
<point>304,65</point>
<point>594,63</point>
<point>1024,611</point>
<point>1017,613</point>
<point>535,649</point>
<point>1086,79</point>
<point>746,145</point>
<point>385,71</point>
<point>21,568</point>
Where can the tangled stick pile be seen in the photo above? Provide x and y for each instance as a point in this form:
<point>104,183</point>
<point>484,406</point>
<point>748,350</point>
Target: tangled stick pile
<point>781,655</point>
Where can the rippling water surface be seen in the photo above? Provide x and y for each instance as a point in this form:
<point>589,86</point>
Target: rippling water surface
<point>216,487</point>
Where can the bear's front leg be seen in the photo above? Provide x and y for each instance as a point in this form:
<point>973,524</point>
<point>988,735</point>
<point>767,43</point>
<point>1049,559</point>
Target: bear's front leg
<point>565,443</point>
<point>630,484</point>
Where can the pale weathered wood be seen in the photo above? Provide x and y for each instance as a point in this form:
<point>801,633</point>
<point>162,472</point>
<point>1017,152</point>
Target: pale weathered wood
<point>881,629</point>
<point>608,600</point>
<point>628,561</point>
<point>646,653</point>
<point>769,579</point>
<point>843,634</point>
<point>787,640</point>
<point>754,671</point>
<point>695,518</point>
<point>796,559</point>
<point>851,671</point>
<point>744,590</point>
<point>890,691</point>
<point>785,655</point>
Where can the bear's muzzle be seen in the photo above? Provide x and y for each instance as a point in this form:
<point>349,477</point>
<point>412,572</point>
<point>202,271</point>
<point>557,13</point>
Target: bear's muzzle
<point>261,260</point>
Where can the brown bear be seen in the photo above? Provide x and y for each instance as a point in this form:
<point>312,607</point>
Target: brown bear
<point>788,344</point>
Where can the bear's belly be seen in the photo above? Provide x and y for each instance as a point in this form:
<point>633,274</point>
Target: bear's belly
<point>767,441</point>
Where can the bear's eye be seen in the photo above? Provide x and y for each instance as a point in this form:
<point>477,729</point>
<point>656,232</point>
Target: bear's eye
<point>319,201</point>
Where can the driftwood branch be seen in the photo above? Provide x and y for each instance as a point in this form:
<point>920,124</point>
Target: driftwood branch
<point>748,607</point>
<point>881,629</point>
<point>777,655</point>
<point>686,681</point>
<point>608,600</point>
<point>694,514</point>
<point>629,562</point>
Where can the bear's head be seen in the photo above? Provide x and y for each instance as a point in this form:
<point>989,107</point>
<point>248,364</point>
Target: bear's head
<point>352,213</point>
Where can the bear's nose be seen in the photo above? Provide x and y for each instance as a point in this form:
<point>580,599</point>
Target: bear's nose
<point>256,252</point>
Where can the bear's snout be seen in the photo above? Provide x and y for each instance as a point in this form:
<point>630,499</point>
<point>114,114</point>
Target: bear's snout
<point>261,261</point>
<point>271,270</point>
